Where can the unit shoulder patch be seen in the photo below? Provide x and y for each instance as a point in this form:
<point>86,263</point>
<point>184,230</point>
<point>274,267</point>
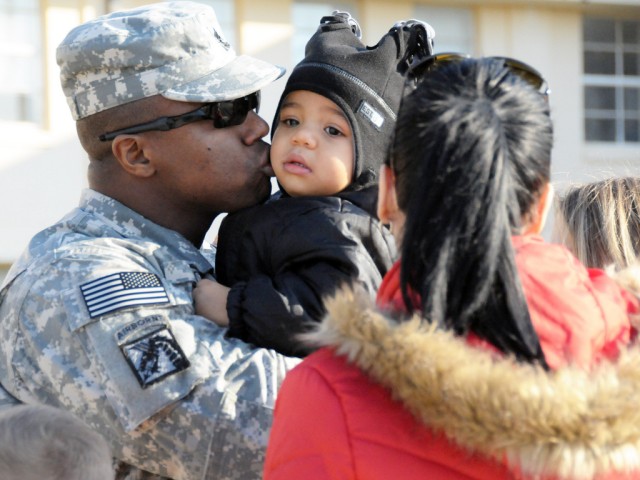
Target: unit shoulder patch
<point>155,356</point>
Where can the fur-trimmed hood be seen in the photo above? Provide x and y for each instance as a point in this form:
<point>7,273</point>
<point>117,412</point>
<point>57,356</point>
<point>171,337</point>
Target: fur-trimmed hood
<point>569,423</point>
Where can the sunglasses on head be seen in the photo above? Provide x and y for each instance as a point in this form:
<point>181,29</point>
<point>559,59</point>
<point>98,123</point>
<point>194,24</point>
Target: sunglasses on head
<point>224,114</point>
<point>521,69</point>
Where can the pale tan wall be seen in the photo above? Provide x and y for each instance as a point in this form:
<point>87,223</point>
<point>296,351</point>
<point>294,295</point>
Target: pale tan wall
<point>377,17</point>
<point>58,17</point>
<point>42,169</point>
<point>265,31</point>
<point>4,269</point>
<point>563,66</point>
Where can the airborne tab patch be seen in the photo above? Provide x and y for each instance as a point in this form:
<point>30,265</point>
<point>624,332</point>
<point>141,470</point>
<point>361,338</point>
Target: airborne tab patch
<point>121,290</point>
<point>155,356</point>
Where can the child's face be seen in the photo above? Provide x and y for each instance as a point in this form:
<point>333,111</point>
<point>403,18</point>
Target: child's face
<point>312,147</point>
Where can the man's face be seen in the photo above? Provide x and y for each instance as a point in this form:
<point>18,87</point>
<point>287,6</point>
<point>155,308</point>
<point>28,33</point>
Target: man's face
<point>208,170</point>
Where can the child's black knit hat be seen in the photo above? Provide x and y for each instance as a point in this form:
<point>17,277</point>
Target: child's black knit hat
<point>367,83</point>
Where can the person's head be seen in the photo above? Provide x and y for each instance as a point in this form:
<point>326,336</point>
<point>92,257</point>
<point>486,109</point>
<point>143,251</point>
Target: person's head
<point>336,115</point>
<point>125,74</point>
<point>469,167</point>
<point>40,442</point>
<point>600,222</point>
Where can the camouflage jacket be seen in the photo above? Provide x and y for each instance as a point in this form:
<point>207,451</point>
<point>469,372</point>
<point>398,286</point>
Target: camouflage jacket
<point>96,317</point>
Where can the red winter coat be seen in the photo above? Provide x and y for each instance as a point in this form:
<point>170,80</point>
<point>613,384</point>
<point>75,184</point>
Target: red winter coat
<point>370,406</point>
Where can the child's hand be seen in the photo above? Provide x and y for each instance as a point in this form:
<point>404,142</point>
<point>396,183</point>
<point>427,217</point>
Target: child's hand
<point>210,301</point>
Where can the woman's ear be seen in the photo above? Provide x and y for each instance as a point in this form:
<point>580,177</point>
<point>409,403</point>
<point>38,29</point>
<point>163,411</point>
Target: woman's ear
<point>387,200</point>
<point>389,212</point>
<point>129,152</point>
<point>540,211</point>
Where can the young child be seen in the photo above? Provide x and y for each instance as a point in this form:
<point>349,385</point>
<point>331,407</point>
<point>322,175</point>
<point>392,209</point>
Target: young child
<point>331,132</point>
<point>39,442</point>
<point>600,222</point>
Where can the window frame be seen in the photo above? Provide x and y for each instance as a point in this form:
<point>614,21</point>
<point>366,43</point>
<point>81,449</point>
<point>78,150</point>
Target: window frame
<point>618,81</point>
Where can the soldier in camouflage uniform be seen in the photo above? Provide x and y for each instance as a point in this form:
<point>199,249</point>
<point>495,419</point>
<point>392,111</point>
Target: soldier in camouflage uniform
<point>97,317</point>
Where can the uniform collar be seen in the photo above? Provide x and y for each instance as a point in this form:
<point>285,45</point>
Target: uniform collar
<point>131,225</point>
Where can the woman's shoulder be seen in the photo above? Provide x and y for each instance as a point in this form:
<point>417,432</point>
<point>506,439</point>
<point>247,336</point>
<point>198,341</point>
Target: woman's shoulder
<point>332,367</point>
<point>581,315</point>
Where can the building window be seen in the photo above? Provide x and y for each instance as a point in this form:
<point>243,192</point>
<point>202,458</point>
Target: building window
<point>453,26</point>
<point>611,80</point>
<point>21,82</point>
<point>306,15</point>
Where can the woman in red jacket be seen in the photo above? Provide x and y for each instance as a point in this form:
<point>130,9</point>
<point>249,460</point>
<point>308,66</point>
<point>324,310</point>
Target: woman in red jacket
<point>491,354</point>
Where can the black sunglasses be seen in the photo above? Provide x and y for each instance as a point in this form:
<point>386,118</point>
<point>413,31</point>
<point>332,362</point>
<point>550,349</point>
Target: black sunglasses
<point>529,74</point>
<point>224,114</point>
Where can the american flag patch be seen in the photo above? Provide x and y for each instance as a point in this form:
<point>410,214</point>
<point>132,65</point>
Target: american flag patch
<point>121,290</point>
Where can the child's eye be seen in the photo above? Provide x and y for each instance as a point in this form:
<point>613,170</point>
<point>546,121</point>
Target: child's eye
<point>290,122</point>
<point>333,131</point>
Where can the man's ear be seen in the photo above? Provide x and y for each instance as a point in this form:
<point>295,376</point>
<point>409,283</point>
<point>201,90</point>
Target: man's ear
<point>130,154</point>
<point>387,199</point>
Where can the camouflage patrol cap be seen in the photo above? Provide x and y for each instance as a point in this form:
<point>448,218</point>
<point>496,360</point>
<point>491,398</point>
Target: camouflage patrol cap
<point>175,49</point>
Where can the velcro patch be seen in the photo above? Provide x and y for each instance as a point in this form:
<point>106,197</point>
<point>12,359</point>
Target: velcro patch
<point>121,290</point>
<point>155,356</point>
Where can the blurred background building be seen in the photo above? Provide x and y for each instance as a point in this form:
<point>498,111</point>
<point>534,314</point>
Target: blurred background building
<point>589,51</point>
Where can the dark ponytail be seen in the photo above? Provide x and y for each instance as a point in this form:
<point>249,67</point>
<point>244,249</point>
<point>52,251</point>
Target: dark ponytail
<point>471,155</point>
